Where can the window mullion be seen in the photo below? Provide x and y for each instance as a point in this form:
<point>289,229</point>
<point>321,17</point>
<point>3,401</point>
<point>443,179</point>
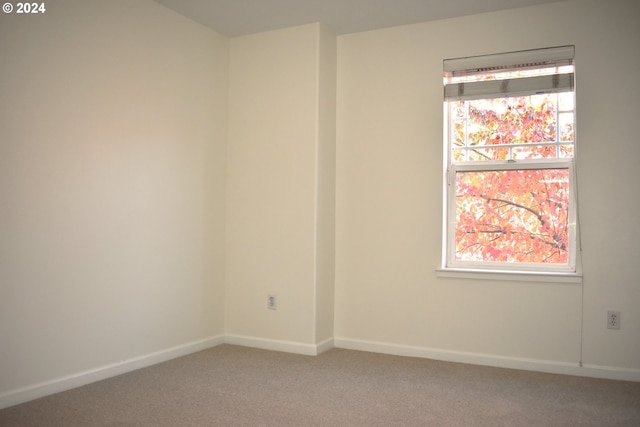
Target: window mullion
<point>466,130</point>
<point>557,126</point>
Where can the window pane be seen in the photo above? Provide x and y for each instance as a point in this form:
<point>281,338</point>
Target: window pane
<point>565,123</point>
<point>458,110</point>
<point>566,151</point>
<point>458,155</point>
<point>535,152</point>
<point>518,120</point>
<point>459,138</point>
<point>482,154</point>
<point>512,216</point>
<point>565,101</point>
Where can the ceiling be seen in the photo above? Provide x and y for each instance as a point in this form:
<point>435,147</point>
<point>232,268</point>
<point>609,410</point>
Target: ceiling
<point>240,17</point>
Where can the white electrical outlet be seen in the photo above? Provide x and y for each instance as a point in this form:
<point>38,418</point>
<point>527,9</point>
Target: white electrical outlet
<point>272,302</point>
<point>613,319</point>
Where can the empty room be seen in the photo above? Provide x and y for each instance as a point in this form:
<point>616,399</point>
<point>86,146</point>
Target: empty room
<point>319,212</point>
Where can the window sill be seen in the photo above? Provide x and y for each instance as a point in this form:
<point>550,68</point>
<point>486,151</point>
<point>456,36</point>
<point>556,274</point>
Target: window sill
<point>516,276</point>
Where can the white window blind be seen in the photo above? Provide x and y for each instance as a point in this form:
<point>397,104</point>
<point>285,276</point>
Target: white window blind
<point>512,74</point>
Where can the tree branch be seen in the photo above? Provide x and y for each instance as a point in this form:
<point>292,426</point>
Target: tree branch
<point>508,202</point>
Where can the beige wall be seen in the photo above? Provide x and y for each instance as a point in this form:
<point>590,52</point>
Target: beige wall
<point>113,133</point>
<point>278,134</point>
<point>389,193</point>
<point>607,117</point>
<point>326,187</point>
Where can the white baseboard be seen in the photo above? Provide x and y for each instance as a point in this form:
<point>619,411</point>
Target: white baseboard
<point>279,345</point>
<point>546,366</point>
<point>25,394</point>
<point>325,346</point>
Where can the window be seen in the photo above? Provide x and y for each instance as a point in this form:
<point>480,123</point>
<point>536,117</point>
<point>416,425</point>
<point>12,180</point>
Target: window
<point>509,162</point>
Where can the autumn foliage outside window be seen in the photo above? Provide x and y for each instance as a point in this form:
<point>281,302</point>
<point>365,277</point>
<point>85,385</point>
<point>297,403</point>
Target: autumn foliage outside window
<point>510,144</point>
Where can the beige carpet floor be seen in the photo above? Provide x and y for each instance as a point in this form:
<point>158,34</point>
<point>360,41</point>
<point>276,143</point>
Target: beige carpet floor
<point>238,386</point>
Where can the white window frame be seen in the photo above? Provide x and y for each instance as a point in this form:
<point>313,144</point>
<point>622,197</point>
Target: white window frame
<point>451,267</point>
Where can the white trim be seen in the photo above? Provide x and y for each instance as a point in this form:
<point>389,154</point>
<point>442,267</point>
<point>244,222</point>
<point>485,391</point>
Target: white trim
<point>538,365</point>
<point>279,345</point>
<point>515,276</point>
<point>325,345</point>
<point>25,394</point>
<point>35,391</point>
